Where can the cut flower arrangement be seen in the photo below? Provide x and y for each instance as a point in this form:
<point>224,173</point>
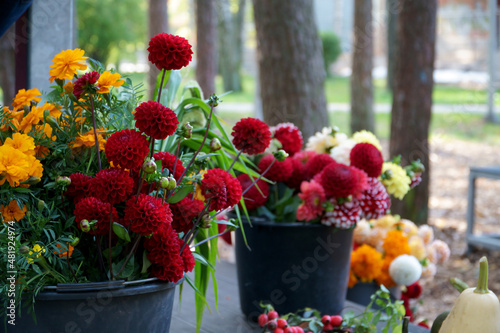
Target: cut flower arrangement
<point>96,186</point>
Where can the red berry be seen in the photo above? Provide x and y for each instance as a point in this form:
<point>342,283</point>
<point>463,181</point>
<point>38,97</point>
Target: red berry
<point>282,323</point>
<point>272,315</point>
<point>325,319</point>
<point>299,329</point>
<point>336,321</point>
<point>327,328</point>
<point>263,320</point>
<point>272,325</point>
<point>290,329</point>
<point>278,330</point>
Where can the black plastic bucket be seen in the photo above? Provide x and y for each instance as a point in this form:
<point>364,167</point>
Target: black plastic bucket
<point>292,266</point>
<point>362,291</point>
<point>102,308</point>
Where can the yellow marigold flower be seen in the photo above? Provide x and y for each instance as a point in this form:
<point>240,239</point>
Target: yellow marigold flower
<point>22,142</point>
<point>68,87</point>
<point>25,97</point>
<point>36,252</point>
<point>34,117</point>
<point>107,80</point>
<point>385,278</point>
<point>35,168</point>
<point>13,165</point>
<point>41,151</point>
<point>395,244</point>
<point>66,64</point>
<point>197,192</point>
<point>88,140</point>
<point>12,211</point>
<point>53,109</point>
<point>397,183</point>
<point>366,263</point>
<point>368,137</point>
<point>14,117</point>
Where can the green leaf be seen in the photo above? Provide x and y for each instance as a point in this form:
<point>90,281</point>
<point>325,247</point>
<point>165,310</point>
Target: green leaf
<point>199,258</point>
<point>127,271</point>
<point>173,85</point>
<point>121,231</point>
<point>181,194</point>
<point>158,83</point>
<point>145,262</point>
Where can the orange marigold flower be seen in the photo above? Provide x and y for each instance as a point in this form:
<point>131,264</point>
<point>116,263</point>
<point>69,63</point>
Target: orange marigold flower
<point>14,118</point>
<point>395,244</point>
<point>384,277</point>
<point>64,250</point>
<point>68,87</point>
<point>41,151</point>
<point>21,142</point>
<point>366,263</point>
<point>34,117</point>
<point>25,97</point>
<point>53,109</point>
<point>45,130</point>
<point>352,279</point>
<point>88,140</point>
<point>107,80</point>
<point>12,211</point>
<point>66,64</point>
<point>13,166</point>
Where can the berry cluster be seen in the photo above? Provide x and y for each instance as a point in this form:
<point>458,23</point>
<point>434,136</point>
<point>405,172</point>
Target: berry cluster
<point>272,323</point>
<point>292,323</point>
<point>331,323</point>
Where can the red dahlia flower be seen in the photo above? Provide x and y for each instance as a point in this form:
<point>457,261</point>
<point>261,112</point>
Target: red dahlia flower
<point>85,84</point>
<point>290,137</point>
<point>91,208</point>
<point>339,180</point>
<point>155,120</point>
<point>112,185</point>
<point>298,174</point>
<point>127,149</point>
<point>187,258</point>
<point>172,272</point>
<point>368,158</point>
<point>317,163</point>
<point>169,51</point>
<point>313,196</point>
<point>221,188</point>
<point>253,197</point>
<point>184,212</point>
<point>163,246</point>
<point>167,162</point>
<point>79,187</point>
<point>305,155</point>
<point>279,171</point>
<point>147,215</point>
<point>251,136</point>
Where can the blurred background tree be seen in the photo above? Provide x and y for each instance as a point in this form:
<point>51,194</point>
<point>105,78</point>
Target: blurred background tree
<point>331,49</point>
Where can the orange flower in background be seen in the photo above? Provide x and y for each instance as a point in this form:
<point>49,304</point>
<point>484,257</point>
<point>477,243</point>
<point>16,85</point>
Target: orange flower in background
<point>41,151</point>
<point>13,166</point>
<point>366,263</point>
<point>352,279</point>
<point>31,119</point>
<point>14,118</point>
<point>21,142</point>
<point>384,277</point>
<point>53,109</point>
<point>68,250</point>
<point>68,87</point>
<point>395,244</point>
<point>66,64</point>
<point>25,97</point>
<point>12,211</point>
<point>88,140</point>
<point>45,130</point>
<point>107,80</point>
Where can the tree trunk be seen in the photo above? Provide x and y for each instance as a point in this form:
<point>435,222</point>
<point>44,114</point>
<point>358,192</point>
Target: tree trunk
<point>227,47</point>
<point>206,45</point>
<point>291,67</point>
<point>412,99</point>
<point>7,66</point>
<point>239,37</point>
<point>362,117</point>
<point>393,9</point>
<point>158,23</point>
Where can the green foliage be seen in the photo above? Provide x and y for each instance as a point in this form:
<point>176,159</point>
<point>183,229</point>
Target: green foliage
<point>331,48</point>
<point>107,25</point>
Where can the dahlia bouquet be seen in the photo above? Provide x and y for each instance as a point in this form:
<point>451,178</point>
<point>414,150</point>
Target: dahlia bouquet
<point>336,180</point>
<point>97,186</point>
<point>391,251</point>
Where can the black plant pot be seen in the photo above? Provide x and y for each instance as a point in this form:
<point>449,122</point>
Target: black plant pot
<point>100,308</point>
<point>292,266</point>
<point>362,291</point>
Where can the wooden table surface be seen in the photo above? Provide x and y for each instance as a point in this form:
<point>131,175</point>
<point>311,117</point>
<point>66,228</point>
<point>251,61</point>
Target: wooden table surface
<point>229,318</point>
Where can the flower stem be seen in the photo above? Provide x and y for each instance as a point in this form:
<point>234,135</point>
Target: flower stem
<point>187,237</point>
<point>257,179</point>
<point>109,245</point>
<point>161,85</point>
<point>128,256</point>
<point>234,161</point>
<point>99,251</point>
<point>210,238</point>
<point>95,131</point>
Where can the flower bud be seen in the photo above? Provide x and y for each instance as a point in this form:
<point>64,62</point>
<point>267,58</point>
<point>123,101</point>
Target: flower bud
<point>168,183</point>
<point>215,144</point>
<point>46,113</point>
<point>201,160</point>
<point>51,121</point>
<point>63,181</point>
<point>149,166</point>
<point>24,249</point>
<point>195,117</point>
<point>206,221</point>
<point>26,109</point>
<point>41,204</point>
<point>186,130</point>
<point>75,241</point>
<point>214,100</point>
<point>280,155</point>
<point>85,225</point>
<point>34,180</point>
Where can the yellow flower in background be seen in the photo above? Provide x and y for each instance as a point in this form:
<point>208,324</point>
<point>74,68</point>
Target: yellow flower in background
<point>22,142</point>
<point>417,247</point>
<point>25,97</point>
<point>31,119</point>
<point>12,211</point>
<point>197,192</point>
<point>66,64</point>
<point>107,80</point>
<point>46,129</point>
<point>395,244</point>
<point>366,263</point>
<point>368,137</point>
<point>387,221</point>
<point>41,151</point>
<point>88,140</point>
<point>13,166</point>
<point>395,180</point>
<point>53,109</point>
<point>36,252</point>
<point>68,87</point>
